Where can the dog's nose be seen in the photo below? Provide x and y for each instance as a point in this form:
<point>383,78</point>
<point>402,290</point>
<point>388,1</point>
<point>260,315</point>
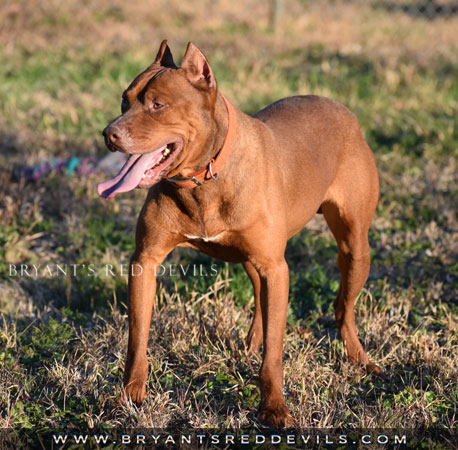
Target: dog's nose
<point>112,135</point>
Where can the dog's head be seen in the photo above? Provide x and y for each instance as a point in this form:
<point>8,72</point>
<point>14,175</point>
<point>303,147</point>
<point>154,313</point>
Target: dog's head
<point>166,121</point>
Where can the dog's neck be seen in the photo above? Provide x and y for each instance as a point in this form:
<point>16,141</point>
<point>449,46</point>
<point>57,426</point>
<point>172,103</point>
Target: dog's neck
<point>215,150</point>
<point>220,130</point>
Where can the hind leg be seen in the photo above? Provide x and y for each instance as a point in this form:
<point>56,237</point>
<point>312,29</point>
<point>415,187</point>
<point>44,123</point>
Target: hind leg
<point>350,228</point>
<point>254,338</point>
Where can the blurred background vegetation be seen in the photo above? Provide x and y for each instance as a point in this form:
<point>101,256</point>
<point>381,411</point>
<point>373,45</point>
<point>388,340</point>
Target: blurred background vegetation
<point>63,68</point>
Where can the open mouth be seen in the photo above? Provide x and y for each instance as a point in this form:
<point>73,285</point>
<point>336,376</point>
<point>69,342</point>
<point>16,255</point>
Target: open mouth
<point>141,170</point>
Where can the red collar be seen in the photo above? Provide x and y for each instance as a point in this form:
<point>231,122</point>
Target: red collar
<point>217,163</point>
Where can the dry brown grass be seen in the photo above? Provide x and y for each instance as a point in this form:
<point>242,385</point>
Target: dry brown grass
<point>345,27</point>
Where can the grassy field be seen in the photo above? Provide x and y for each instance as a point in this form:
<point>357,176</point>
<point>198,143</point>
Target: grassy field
<point>63,338</point>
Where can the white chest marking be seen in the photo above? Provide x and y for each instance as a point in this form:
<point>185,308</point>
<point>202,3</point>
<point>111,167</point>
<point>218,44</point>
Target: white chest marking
<point>204,238</point>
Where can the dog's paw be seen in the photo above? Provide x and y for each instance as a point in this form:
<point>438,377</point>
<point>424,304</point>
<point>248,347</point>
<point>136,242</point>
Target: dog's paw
<point>135,391</point>
<point>254,340</point>
<point>135,376</point>
<point>278,417</point>
<point>373,369</point>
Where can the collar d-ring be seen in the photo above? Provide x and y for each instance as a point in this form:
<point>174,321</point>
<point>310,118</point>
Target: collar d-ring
<point>212,175</point>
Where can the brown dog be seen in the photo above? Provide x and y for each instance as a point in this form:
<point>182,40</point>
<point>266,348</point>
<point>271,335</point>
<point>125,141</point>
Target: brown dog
<point>237,188</point>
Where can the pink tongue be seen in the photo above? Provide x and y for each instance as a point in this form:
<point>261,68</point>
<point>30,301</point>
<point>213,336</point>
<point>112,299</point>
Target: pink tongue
<point>131,174</point>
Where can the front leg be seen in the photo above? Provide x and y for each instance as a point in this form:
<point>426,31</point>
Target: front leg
<point>142,294</point>
<point>274,304</point>
<point>254,337</point>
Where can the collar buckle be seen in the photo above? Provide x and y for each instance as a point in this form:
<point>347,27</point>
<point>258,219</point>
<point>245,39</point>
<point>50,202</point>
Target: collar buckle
<point>198,182</point>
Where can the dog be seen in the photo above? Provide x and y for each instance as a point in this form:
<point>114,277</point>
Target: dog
<point>237,187</point>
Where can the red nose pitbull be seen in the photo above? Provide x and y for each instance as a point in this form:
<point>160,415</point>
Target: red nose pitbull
<point>237,187</point>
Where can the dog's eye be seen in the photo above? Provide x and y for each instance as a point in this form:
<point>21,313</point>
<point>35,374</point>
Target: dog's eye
<point>156,105</point>
<point>124,105</point>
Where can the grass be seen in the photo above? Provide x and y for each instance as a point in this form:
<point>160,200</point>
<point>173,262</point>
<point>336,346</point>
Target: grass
<point>63,338</point>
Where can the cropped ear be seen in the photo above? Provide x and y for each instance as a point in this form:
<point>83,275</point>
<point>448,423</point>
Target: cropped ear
<point>197,68</point>
<point>164,56</point>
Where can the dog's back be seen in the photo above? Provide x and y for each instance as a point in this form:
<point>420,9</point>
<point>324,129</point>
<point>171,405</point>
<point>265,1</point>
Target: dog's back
<point>313,138</point>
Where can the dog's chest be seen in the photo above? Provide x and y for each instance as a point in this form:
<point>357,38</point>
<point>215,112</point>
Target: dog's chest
<point>215,238</point>
<point>225,245</point>
<point>208,219</point>
<point>207,226</point>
